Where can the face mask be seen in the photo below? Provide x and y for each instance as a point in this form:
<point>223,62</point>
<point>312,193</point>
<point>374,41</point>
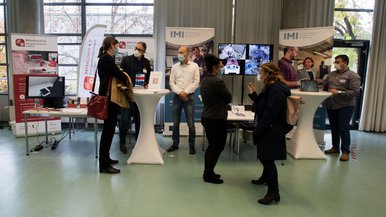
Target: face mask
<point>181,57</point>
<point>115,52</point>
<point>337,66</point>
<point>137,53</point>
<point>258,77</point>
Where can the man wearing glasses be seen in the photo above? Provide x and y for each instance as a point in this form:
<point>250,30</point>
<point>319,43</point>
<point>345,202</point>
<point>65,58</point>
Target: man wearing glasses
<point>138,68</point>
<point>344,85</point>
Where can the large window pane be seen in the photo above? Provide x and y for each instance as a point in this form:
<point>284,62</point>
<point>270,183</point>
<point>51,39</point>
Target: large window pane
<point>68,54</point>
<point>62,1</point>
<point>3,56</point>
<point>70,72</point>
<point>121,19</point>
<point>120,1</point>
<point>357,4</point>
<point>3,79</point>
<point>62,19</point>
<point>69,39</point>
<point>353,25</point>
<point>2,27</point>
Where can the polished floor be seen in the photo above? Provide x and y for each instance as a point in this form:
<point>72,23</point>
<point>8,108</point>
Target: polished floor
<point>65,182</point>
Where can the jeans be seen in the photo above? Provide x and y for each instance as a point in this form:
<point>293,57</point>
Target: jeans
<point>188,107</point>
<point>125,124</point>
<point>340,127</point>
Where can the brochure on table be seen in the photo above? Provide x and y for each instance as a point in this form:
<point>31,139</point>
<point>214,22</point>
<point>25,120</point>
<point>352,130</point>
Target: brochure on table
<point>32,55</point>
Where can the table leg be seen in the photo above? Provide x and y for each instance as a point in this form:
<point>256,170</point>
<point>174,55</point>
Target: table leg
<point>26,135</point>
<point>45,121</point>
<point>96,137</point>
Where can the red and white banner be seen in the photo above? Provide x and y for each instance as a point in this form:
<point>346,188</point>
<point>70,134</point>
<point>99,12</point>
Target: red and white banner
<point>88,59</point>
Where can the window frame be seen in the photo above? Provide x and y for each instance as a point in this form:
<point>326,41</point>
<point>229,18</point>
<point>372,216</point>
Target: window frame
<point>5,35</point>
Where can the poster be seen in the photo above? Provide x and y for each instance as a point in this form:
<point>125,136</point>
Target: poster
<point>200,41</point>
<point>316,43</point>
<point>32,55</point>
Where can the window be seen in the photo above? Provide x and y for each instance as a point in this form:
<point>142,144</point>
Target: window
<point>353,19</point>
<point>70,19</point>
<point>3,51</point>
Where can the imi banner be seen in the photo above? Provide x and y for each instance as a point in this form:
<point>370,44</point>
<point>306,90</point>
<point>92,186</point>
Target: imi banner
<point>200,41</point>
<point>37,56</point>
<point>314,44</point>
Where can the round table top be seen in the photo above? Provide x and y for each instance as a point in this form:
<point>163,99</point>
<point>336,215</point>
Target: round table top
<point>150,91</point>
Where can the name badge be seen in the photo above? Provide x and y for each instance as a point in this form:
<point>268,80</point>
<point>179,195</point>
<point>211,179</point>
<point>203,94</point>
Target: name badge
<point>144,70</point>
<point>342,80</point>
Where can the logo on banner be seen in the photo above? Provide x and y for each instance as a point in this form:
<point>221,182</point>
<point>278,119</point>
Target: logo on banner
<point>88,82</point>
<point>291,35</point>
<point>177,34</point>
<point>20,42</point>
<point>122,45</point>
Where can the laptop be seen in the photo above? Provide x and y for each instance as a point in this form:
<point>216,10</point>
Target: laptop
<point>309,86</point>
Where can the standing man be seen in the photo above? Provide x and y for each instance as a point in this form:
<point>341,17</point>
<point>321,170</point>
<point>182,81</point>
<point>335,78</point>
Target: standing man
<point>138,68</point>
<point>184,80</point>
<point>198,58</point>
<point>285,64</point>
<point>344,85</point>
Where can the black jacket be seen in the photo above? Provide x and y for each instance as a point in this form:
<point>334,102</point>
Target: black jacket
<point>215,97</point>
<point>106,69</point>
<point>271,106</point>
<point>132,66</point>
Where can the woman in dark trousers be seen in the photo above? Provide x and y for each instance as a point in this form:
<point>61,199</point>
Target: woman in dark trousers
<point>215,97</point>
<point>270,105</point>
<point>106,70</point>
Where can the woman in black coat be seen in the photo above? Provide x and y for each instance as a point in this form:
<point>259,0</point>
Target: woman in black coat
<point>106,70</point>
<point>270,105</point>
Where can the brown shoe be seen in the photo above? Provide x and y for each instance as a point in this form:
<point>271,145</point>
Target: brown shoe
<point>331,151</point>
<point>344,157</point>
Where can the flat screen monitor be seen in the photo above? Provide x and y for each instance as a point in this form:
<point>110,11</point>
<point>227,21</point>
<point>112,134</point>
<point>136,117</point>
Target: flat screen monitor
<point>258,54</point>
<point>50,88</point>
<point>234,51</point>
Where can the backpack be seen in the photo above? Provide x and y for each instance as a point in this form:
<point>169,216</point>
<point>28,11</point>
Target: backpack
<point>292,113</point>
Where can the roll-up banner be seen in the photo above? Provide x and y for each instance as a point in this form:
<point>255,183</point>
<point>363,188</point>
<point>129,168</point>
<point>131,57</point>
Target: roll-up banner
<point>32,55</point>
<point>201,40</point>
<point>88,60</point>
<point>316,43</point>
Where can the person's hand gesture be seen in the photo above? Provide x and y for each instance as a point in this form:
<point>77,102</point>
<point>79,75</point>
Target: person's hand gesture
<point>251,87</point>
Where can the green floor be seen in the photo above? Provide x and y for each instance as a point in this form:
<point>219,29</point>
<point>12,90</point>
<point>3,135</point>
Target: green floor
<point>65,182</point>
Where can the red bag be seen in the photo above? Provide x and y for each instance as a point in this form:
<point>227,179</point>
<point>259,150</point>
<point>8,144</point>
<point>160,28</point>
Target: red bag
<point>97,106</point>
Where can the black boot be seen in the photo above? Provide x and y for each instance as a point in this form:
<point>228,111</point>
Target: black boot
<point>212,178</point>
<point>122,147</point>
<point>269,198</point>
<point>260,181</point>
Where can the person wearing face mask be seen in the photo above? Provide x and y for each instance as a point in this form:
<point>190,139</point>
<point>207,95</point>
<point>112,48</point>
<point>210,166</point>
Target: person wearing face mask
<point>106,70</point>
<point>344,85</point>
<point>215,97</point>
<point>138,68</point>
<point>270,106</point>
<point>184,80</point>
<point>285,64</point>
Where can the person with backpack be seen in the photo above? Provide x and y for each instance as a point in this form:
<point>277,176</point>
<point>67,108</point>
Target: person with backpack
<point>269,134</point>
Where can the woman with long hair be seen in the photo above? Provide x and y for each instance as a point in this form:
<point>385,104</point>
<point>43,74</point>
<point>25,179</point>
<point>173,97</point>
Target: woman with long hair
<point>106,70</point>
<point>215,97</point>
<point>270,105</point>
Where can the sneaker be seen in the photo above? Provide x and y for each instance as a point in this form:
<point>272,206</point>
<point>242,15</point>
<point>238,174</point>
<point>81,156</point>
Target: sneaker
<point>345,156</point>
<point>172,148</point>
<point>192,150</point>
<point>331,151</point>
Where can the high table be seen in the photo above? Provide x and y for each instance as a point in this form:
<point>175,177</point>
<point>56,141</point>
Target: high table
<point>237,118</point>
<point>303,144</point>
<point>146,149</point>
<point>63,112</point>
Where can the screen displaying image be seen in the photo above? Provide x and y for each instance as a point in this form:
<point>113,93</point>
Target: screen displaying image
<point>258,54</point>
<point>234,51</point>
<point>45,87</point>
<point>233,66</point>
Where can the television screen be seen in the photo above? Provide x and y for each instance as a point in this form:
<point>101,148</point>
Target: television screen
<point>258,54</point>
<point>234,51</point>
<point>45,87</point>
<point>233,66</point>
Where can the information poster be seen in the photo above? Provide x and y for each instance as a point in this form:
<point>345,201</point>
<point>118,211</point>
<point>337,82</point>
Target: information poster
<point>32,55</point>
<point>200,41</point>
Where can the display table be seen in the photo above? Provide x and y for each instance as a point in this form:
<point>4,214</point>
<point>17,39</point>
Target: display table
<point>303,144</point>
<point>237,118</point>
<point>64,112</point>
<point>146,148</point>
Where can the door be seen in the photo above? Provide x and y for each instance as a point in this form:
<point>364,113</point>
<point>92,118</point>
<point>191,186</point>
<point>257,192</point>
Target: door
<point>357,51</point>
